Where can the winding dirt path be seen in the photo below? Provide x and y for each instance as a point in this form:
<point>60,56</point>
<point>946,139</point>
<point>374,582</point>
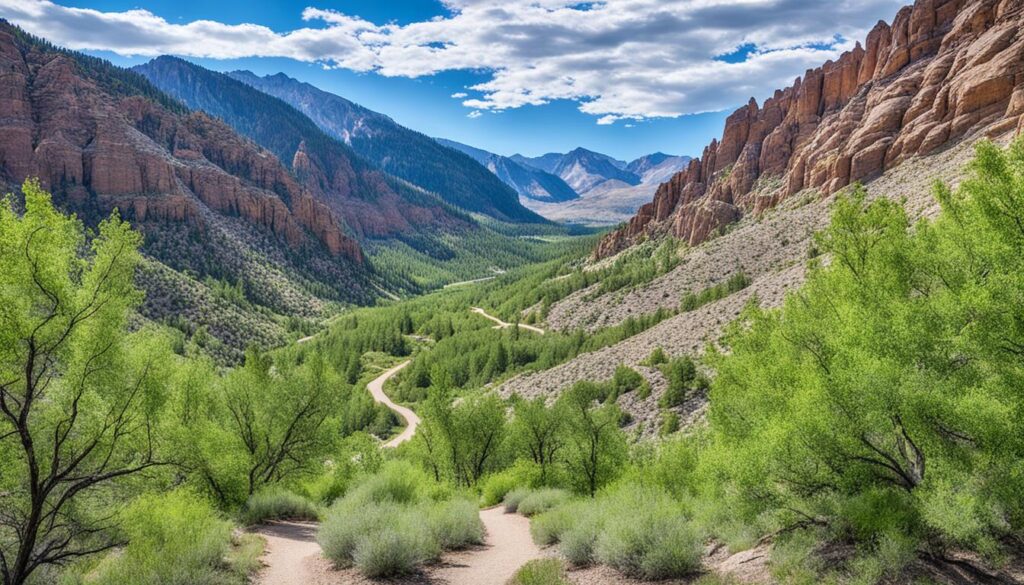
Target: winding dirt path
<point>376,388</point>
<point>507,547</point>
<point>291,555</point>
<point>503,325</point>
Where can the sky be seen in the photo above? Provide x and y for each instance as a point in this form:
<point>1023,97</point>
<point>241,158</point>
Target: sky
<point>622,77</point>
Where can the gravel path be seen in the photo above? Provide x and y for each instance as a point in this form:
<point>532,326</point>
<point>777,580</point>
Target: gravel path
<point>507,547</point>
<point>503,324</point>
<point>376,388</point>
<point>292,555</point>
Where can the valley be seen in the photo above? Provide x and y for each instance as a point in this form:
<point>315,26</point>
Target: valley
<point>253,332</point>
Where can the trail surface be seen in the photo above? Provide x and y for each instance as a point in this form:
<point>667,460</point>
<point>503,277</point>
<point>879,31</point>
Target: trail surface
<point>376,388</point>
<point>504,325</point>
<point>291,555</point>
<point>507,547</point>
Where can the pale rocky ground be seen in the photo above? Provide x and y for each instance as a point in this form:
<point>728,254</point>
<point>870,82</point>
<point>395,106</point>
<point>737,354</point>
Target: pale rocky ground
<point>771,249</point>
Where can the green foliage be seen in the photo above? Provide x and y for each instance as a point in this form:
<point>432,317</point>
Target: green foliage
<point>733,284</point>
<point>515,497</point>
<point>396,520</point>
<point>278,504</point>
<point>522,474</point>
<point>669,423</point>
<point>627,379</point>
<point>540,572</point>
<point>173,539</point>
<point>83,403</point>
<point>657,358</point>
<point>462,440</point>
<point>542,500</point>
<point>899,361</point>
<point>595,445</point>
<point>683,381</point>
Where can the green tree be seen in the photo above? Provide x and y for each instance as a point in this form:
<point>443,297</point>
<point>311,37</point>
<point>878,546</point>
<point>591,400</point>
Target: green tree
<point>80,397</point>
<point>596,446</point>
<point>539,431</point>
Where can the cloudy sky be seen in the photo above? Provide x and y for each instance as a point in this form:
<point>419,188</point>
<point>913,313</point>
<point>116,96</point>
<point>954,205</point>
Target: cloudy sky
<point>626,77</point>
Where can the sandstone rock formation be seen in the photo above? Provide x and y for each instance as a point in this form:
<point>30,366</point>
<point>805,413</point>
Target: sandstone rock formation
<point>98,146</point>
<point>943,70</point>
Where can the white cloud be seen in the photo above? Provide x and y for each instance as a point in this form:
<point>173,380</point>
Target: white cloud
<point>460,95</point>
<point>620,59</point>
<point>474,114</point>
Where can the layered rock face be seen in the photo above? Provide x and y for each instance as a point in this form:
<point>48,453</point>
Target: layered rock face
<point>943,70</point>
<point>98,148</point>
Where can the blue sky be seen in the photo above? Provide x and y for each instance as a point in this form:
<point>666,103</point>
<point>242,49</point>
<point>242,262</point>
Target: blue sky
<point>626,78</point>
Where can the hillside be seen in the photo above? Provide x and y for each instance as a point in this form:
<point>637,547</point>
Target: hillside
<point>397,150</point>
<point>372,205</point>
<point>217,211</point>
<point>528,182</point>
<point>941,71</point>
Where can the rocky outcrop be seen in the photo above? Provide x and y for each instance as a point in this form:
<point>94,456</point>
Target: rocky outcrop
<point>943,70</point>
<point>98,147</point>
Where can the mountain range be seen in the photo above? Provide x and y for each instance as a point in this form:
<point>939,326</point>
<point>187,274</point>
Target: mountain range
<point>396,150</point>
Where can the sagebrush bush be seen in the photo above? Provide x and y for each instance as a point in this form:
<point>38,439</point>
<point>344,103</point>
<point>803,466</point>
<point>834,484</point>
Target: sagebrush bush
<point>455,524</point>
<point>394,549</point>
<point>579,541</point>
<point>514,498</point>
<point>646,536</point>
<point>384,528</point>
<point>540,572</point>
<point>547,528</point>
<point>278,505</point>
<point>542,500</point>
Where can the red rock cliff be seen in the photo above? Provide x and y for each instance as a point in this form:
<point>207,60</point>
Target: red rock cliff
<point>94,147</point>
<point>942,70</point>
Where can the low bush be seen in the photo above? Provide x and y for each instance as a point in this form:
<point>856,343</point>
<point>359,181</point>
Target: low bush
<point>523,474</point>
<point>578,543</point>
<point>647,537</point>
<point>514,498</point>
<point>278,505</point>
<point>385,528</point>
<point>394,549</point>
<point>542,500</point>
<point>455,524</point>
<point>540,572</point>
<point>173,539</point>
<point>548,528</point>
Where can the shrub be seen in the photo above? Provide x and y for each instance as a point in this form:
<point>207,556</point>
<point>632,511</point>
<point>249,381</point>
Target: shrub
<point>627,379</point>
<point>173,539</point>
<point>669,423</point>
<point>524,474</point>
<point>651,543</point>
<point>548,528</point>
<point>398,481</point>
<point>540,572</point>
<point>455,524</point>
<point>384,528</point>
<point>656,358</point>
<point>278,505</point>
<point>541,501</point>
<point>577,543</point>
<point>514,498</point>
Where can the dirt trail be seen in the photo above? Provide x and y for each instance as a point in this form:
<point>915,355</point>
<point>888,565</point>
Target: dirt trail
<point>376,388</point>
<point>292,555</point>
<point>504,325</point>
<point>508,546</point>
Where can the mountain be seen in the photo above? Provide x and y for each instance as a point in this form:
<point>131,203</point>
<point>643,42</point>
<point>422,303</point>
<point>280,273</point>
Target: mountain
<point>373,205</point>
<point>215,208</point>
<point>658,167</point>
<point>399,151</point>
<point>582,169</point>
<point>942,71</point>
<point>528,181</point>
<point>617,189</point>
